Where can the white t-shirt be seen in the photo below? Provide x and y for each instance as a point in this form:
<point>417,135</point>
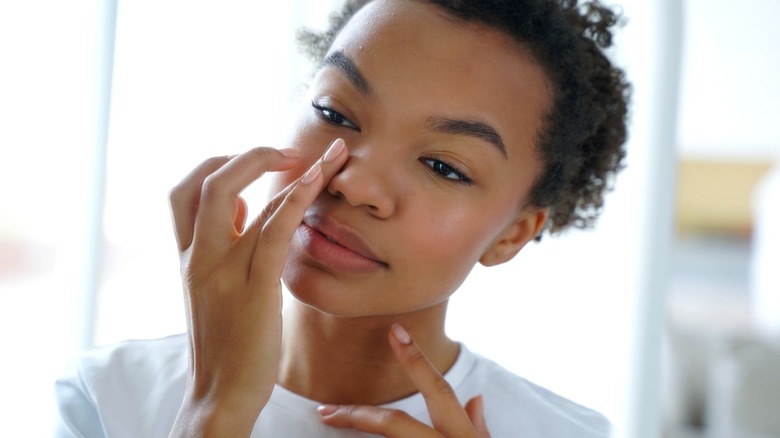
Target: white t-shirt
<point>134,389</point>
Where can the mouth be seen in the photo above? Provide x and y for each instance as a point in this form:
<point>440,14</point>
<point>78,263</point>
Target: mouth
<point>336,246</point>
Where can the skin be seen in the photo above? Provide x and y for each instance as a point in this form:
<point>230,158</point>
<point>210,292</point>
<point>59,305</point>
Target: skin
<point>400,69</point>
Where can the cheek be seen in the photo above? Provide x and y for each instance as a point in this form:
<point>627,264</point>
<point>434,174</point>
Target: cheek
<point>458,240</point>
<point>465,230</point>
<point>443,254</point>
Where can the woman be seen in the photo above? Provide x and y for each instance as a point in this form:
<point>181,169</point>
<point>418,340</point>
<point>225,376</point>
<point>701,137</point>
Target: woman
<point>436,135</point>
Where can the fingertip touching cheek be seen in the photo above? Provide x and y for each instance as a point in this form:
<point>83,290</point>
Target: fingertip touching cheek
<point>441,120</point>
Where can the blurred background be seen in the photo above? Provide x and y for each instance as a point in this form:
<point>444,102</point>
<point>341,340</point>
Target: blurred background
<point>666,317</point>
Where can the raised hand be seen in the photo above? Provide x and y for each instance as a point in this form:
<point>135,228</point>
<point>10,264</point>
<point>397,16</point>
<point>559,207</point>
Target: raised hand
<point>231,278</point>
<point>449,418</point>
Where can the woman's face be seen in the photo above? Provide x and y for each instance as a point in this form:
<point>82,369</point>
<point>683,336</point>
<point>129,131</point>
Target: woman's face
<point>440,118</point>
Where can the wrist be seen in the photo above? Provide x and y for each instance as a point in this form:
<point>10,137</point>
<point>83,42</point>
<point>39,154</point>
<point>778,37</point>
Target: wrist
<point>214,417</point>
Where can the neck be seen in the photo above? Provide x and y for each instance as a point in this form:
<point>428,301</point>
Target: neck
<point>340,360</point>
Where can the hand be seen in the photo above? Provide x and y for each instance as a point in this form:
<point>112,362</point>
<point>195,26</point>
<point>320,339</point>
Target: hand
<point>449,418</point>
<point>231,278</point>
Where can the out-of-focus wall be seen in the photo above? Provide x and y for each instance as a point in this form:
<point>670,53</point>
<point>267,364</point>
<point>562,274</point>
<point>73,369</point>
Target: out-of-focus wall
<point>729,142</point>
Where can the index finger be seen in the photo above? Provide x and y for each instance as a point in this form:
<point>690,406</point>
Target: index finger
<point>445,409</point>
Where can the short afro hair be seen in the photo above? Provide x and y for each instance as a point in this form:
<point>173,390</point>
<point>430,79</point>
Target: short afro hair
<point>582,140</point>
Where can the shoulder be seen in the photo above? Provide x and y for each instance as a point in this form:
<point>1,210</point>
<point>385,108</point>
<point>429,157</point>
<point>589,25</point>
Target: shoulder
<point>134,358</point>
<point>513,403</point>
<point>137,365</point>
<point>124,387</point>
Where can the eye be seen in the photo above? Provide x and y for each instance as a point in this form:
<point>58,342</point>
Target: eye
<point>446,171</point>
<point>333,117</point>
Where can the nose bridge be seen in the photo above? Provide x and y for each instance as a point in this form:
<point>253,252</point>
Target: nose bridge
<point>367,180</point>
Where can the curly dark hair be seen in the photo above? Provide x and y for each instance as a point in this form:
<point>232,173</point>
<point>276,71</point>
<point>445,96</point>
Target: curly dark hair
<point>582,140</point>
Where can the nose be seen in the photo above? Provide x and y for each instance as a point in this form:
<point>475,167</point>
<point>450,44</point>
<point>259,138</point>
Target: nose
<point>365,182</point>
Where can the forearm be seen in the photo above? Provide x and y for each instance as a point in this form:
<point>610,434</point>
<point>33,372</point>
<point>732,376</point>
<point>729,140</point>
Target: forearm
<point>210,418</point>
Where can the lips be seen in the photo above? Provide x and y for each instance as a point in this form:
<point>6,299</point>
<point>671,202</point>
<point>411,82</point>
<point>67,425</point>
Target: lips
<point>336,246</point>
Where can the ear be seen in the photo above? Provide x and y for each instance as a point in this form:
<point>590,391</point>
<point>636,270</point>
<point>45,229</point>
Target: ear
<point>522,230</point>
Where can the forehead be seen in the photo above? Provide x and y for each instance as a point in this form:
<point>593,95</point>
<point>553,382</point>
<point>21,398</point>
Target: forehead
<point>414,52</point>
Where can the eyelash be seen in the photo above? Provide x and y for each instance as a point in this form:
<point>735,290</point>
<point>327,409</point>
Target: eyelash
<point>436,165</point>
<point>442,169</point>
<point>329,115</point>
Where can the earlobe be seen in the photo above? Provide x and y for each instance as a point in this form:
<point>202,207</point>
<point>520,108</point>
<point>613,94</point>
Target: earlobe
<point>525,228</point>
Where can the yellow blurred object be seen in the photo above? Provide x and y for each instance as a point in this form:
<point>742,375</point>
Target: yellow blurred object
<point>715,196</point>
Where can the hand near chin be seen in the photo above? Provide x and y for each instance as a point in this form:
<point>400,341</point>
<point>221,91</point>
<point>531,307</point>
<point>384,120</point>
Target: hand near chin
<point>231,276</point>
<point>450,419</point>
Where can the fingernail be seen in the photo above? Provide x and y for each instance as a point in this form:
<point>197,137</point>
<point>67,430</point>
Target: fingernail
<point>290,152</point>
<point>312,174</point>
<point>326,410</point>
<point>334,150</point>
<point>401,335</point>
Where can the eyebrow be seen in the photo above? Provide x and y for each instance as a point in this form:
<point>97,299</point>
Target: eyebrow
<point>470,128</point>
<point>341,61</point>
<point>445,125</point>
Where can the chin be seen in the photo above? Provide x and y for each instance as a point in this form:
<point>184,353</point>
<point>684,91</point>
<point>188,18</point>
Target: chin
<point>312,289</point>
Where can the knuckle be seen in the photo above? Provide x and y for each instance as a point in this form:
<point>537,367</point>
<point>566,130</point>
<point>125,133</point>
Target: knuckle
<point>212,162</point>
<point>277,212</point>
<point>271,233</point>
<point>351,413</point>
<point>261,220</point>
<point>180,199</point>
<point>179,207</point>
<point>443,387</point>
<point>211,188</point>
<point>271,208</point>
<point>175,195</point>
<point>178,192</point>
<point>212,280</point>
<point>391,416</point>
<point>264,153</point>
<point>416,356</point>
<point>295,197</point>
<point>206,167</point>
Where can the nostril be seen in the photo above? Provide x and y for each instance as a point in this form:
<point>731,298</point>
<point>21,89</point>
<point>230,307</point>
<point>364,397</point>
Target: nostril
<point>334,191</point>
